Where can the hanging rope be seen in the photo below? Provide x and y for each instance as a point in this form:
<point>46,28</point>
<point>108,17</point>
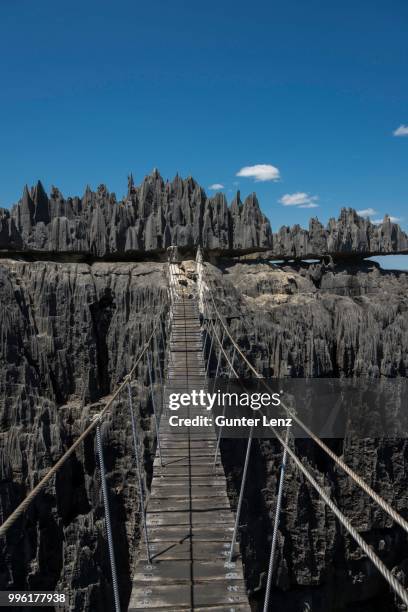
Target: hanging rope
<point>139,473</point>
<point>158,361</point>
<point>219,360</point>
<point>156,420</point>
<point>209,357</point>
<point>348,470</point>
<point>389,577</point>
<point>22,507</point>
<point>276,525</point>
<point>220,430</point>
<point>241,494</point>
<point>107,514</point>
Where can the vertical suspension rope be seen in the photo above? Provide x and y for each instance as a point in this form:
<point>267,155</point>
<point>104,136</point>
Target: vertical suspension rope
<point>219,360</point>
<point>205,341</point>
<point>199,269</point>
<point>241,494</point>
<point>276,525</point>
<point>209,357</point>
<point>139,473</point>
<point>161,396</point>
<point>171,282</point>
<point>159,367</point>
<point>219,436</point>
<point>156,421</point>
<point>164,344</point>
<point>107,517</point>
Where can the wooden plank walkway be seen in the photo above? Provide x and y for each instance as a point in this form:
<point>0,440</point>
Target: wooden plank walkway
<point>189,518</point>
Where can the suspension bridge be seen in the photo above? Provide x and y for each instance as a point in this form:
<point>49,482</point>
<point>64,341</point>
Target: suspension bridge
<point>189,556</point>
<point>184,565</point>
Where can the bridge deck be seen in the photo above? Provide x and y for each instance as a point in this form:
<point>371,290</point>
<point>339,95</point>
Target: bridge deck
<point>189,518</point>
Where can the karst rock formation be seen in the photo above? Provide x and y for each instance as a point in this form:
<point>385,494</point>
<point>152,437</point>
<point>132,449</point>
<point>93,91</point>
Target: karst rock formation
<point>71,327</point>
<point>160,213</point>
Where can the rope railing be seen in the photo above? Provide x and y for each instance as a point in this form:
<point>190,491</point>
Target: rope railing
<point>397,587</point>
<point>397,518</point>
<point>22,507</point>
<point>95,424</point>
<point>214,320</point>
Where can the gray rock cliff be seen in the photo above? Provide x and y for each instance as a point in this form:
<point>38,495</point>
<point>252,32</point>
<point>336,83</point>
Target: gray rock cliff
<point>160,213</point>
<point>68,335</point>
<point>69,332</point>
<point>314,320</point>
<point>150,218</point>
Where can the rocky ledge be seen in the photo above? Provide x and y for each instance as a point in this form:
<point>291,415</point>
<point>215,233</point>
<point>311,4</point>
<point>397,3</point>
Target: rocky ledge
<point>160,213</point>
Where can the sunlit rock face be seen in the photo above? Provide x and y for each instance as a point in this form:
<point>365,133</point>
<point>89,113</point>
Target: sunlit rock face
<point>350,235</point>
<point>160,213</point>
<point>150,218</point>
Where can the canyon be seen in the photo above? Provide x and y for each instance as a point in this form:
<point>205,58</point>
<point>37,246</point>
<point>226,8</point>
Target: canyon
<point>81,282</point>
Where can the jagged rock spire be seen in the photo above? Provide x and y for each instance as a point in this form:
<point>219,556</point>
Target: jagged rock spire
<point>180,213</point>
<point>131,184</point>
<point>26,211</point>
<point>41,204</point>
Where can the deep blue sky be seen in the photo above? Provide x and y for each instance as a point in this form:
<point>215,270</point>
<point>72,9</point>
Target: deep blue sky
<point>93,90</point>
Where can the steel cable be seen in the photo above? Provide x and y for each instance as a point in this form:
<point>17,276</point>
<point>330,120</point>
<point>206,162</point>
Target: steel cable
<point>348,470</point>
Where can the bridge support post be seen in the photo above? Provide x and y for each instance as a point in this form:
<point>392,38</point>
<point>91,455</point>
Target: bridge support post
<point>276,525</point>
<point>139,472</point>
<point>107,517</point>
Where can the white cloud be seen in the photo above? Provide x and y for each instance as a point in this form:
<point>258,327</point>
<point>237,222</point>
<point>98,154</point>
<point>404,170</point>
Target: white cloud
<point>300,199</point>
<point>401,131</point>
<point>260,172</point>
<point>367,212</point>
<point>216,186</point>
